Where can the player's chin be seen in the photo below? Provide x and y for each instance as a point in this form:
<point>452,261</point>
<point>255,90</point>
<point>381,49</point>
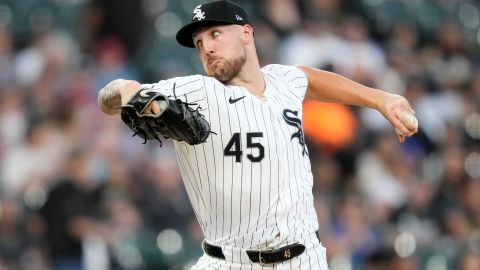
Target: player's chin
<point>221,75</point>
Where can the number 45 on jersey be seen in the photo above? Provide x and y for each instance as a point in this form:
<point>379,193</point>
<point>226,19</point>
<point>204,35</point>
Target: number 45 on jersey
<point>234,147</point>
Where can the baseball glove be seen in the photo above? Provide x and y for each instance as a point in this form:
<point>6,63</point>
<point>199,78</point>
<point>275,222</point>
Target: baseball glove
<point>176,120</point>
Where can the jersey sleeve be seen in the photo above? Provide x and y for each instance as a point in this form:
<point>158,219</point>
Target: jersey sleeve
<point>189,89</point>
<point>294,76</point>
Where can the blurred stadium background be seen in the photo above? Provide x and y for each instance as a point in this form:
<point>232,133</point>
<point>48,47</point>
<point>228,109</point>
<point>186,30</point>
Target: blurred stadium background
<point>76,189</point>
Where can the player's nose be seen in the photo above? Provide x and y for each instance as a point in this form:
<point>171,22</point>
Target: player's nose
<point>208,46</point>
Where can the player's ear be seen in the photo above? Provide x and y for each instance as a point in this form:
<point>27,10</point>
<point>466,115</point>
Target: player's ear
<point>247,33</point>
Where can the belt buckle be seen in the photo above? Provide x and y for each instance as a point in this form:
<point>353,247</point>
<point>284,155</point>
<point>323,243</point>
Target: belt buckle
<point>260,258</point>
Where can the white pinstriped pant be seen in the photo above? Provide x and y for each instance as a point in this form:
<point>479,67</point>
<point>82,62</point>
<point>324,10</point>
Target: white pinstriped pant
<point>314,258</point>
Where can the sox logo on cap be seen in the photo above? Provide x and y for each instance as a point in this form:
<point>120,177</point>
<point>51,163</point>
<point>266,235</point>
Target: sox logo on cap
<point>199,14</point>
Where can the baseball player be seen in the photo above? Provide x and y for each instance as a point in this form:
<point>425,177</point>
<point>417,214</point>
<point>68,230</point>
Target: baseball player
<point>249,178</point>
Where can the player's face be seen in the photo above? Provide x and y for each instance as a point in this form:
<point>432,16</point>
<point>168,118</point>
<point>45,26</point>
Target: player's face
<point>221,50</point>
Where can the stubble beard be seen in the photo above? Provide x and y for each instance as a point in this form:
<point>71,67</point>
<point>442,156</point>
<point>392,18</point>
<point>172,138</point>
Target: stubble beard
<point>228,69</point>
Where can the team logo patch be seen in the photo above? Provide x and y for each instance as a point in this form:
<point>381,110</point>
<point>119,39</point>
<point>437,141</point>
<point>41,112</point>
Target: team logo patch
<point>291,117</point>
<point>198,13</point>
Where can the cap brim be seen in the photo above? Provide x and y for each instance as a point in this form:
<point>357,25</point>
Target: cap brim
<point>184,35</point>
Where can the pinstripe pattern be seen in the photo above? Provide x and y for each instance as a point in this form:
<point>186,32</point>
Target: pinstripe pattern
<point>250,185</point>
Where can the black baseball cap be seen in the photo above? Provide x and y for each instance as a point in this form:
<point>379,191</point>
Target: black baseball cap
<point>215,12</point>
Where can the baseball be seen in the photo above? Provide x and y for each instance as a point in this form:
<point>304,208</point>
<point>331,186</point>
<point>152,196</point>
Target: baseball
<point>410,121</point>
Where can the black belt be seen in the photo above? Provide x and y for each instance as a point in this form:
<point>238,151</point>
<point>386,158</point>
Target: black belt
<point>265,256</point>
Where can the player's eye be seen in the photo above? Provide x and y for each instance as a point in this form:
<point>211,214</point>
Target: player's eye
<point>215,33</point>
<point>198,44</point>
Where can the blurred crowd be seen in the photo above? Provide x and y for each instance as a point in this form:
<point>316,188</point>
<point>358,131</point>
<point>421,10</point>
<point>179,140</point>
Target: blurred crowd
<point>78,192</point>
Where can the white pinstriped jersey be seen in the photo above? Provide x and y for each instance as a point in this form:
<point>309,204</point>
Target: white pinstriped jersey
<point>250,184</point>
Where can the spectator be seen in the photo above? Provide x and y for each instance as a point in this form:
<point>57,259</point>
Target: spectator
<point>469,261</point>
<point>71,216</point>
<point>313,45</point>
